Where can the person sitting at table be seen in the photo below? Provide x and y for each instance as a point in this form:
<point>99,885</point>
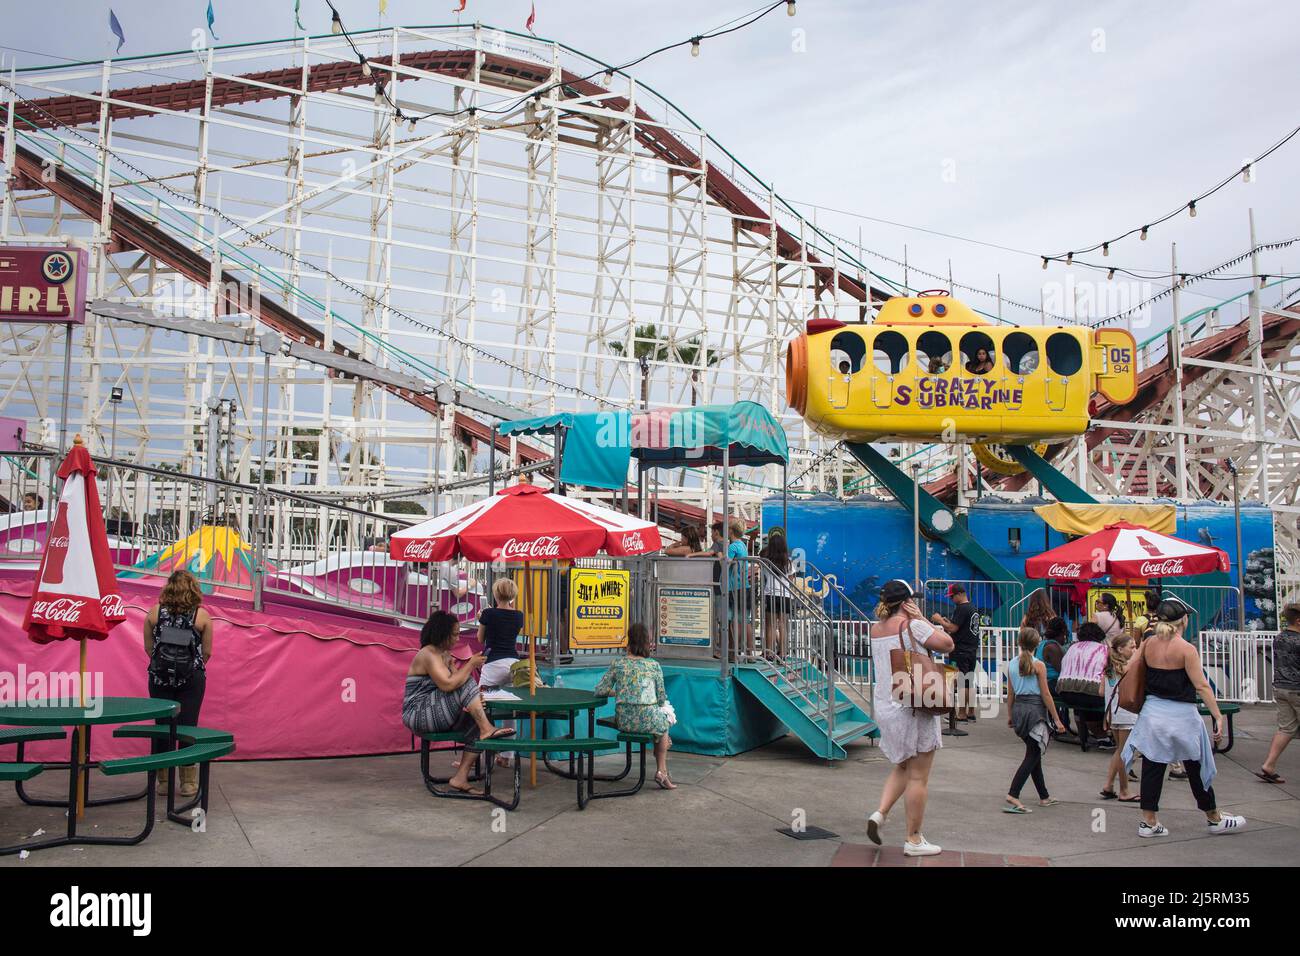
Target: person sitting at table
<point>440,699</point>
<point>178,642</point>
<point>636,682</point>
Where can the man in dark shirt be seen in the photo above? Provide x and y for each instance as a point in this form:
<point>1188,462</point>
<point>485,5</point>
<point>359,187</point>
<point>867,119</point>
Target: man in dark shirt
<point>964,626</point>
<point>1286,690</point>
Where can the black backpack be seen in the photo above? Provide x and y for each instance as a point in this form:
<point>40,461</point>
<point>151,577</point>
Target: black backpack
<point>175,651</point>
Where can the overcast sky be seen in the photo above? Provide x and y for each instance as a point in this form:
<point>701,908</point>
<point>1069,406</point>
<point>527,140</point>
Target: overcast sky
<point>1039,126</point>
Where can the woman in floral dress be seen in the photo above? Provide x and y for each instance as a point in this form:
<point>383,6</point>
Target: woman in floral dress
<point>636,682</point>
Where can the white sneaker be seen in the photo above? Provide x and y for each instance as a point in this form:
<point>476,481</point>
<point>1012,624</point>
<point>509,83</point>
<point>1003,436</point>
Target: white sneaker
<point>1147,830</point>
<point>1227,824</point>
<point>924,848</point>
<point>874,824</point>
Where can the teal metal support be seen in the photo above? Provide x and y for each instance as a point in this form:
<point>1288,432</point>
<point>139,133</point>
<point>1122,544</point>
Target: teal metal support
<point>1061,488</point>
<point>937,520</point>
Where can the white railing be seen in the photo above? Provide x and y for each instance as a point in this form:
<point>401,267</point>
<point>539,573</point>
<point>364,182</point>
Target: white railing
<point>1239,664</point>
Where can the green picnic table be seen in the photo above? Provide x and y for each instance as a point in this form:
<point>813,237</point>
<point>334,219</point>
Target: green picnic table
<point>546,704</point>
<point>67,713</point>
<point>1228,711</point>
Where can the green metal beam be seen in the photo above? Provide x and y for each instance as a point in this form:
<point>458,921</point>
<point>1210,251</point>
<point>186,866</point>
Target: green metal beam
<point>955,535</point>
<point>1062,488</point>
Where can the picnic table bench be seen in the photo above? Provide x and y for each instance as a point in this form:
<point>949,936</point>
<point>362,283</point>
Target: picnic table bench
<point>1228,710</point>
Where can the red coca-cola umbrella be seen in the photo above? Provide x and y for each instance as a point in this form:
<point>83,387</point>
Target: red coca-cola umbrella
<point>76,595</point>
<point>1125,550</point>
<point>525,524</point>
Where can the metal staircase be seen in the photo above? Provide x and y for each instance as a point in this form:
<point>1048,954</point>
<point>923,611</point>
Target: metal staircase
<point>790,668</point>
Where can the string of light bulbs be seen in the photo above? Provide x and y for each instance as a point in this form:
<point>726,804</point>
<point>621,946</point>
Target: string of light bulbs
<point>606,75</point>
<point>1246,172</point>
<point>1182,279</point>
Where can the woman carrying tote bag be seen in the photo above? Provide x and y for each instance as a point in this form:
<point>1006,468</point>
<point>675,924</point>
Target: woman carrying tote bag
<point>908,737</point>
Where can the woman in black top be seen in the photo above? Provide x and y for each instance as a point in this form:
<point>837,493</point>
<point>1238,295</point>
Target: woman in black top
<point>981,364</point>
<point>498,632</point>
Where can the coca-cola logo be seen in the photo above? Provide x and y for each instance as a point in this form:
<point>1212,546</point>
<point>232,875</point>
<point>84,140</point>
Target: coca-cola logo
<point>1156,569</point>
<point>61,610</point>
<point>59,542</point>
<point>547,546</point>
<point>632,541</point>
<point>112,606</point>
<point>418,550</point>
<point>1065,570</point>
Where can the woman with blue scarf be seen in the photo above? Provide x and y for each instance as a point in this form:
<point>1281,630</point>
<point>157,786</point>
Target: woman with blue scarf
<point>1170,729</point>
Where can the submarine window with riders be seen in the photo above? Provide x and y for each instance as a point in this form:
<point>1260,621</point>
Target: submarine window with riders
<point>890,351</point>
<point>979,352</point>
<point>847,352</point>
<point>934,352</point>
<point>1020,353</point>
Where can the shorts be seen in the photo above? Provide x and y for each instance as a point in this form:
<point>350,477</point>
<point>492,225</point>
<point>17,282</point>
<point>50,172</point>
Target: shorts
<point>1288,711</point>
<point>777,604</point>
<point>964,662</point>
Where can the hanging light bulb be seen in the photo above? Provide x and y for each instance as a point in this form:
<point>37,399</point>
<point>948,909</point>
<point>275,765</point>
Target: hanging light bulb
<point>1105,248</point>
<point>365,67</point>
<point>336,25</point>
<point>1044,262</point>
<point>789,8</point>
<point>1245,173</point>
<point>1069,258</point>
<point>608,78</point>
<point>695,46</point>
<point>1110,274</point>
<point>1191,209</point>
<point>1144,232</point>
<point>412,126</point>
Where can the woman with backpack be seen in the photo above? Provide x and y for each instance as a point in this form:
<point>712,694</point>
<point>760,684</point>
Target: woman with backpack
<point>178,640</point>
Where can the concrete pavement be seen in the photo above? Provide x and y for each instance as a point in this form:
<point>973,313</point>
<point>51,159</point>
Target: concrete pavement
<point>726,812</point>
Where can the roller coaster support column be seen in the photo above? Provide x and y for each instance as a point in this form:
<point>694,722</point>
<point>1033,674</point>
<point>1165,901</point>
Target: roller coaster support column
<point>935,519</point>
<point>1062,488</point>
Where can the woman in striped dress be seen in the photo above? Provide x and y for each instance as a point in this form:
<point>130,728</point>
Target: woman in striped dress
<point>438,699</point>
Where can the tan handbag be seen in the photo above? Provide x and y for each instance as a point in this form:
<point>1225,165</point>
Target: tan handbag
<point>918,681</point>
<point>1132,690</point>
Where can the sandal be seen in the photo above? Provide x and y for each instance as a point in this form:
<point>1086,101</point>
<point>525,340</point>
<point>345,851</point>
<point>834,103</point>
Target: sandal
<point>1049,802</point>
<point>1268,777</point>
<point>1134,798</point>
<point>665,782</point>
<point>501,732</point>
<point>467,789</point>
<point>1108,795</point>
<point>1012,808</point>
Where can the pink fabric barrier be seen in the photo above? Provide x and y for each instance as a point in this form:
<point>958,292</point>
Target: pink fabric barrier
<point>287,682</point>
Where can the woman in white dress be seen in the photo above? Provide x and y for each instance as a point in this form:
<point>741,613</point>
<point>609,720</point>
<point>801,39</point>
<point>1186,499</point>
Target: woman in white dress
<point>907,738</point>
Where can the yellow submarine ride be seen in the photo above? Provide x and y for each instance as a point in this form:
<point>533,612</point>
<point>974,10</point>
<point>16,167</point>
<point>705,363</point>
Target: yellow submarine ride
<point>930,368</point>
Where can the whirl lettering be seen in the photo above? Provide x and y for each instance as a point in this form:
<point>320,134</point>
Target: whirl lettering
<point>1155,569</point>
<point>1065,571</point>
<point>62,610</point>
<point>418,550</point>
<point>547,546</point>
<point>111,605</point>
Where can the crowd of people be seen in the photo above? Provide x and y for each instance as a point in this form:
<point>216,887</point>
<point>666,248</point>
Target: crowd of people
<point>1084,676</point>
<point>1057,679</point>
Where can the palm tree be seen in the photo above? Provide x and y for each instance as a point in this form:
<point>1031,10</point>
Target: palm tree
<point>647,347</point>
<point>690,354</point>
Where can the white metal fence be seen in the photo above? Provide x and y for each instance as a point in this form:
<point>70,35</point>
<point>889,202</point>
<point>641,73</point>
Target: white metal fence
<point>1239,664</point>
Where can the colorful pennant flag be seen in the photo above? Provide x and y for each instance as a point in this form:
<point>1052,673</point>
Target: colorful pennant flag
<point>383,7</point>
<point>297,15</point>
<point>532,18</point>
<point>115,25</point>
<point>212,18</point>
<point>461,8</point>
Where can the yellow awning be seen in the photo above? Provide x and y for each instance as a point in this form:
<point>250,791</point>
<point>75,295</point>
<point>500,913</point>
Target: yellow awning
<point>1086,518</point>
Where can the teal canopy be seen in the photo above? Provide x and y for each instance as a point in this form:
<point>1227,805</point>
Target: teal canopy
<point>599,445</point>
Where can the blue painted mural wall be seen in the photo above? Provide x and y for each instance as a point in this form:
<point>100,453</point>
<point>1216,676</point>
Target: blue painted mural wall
<point>865,542</point>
